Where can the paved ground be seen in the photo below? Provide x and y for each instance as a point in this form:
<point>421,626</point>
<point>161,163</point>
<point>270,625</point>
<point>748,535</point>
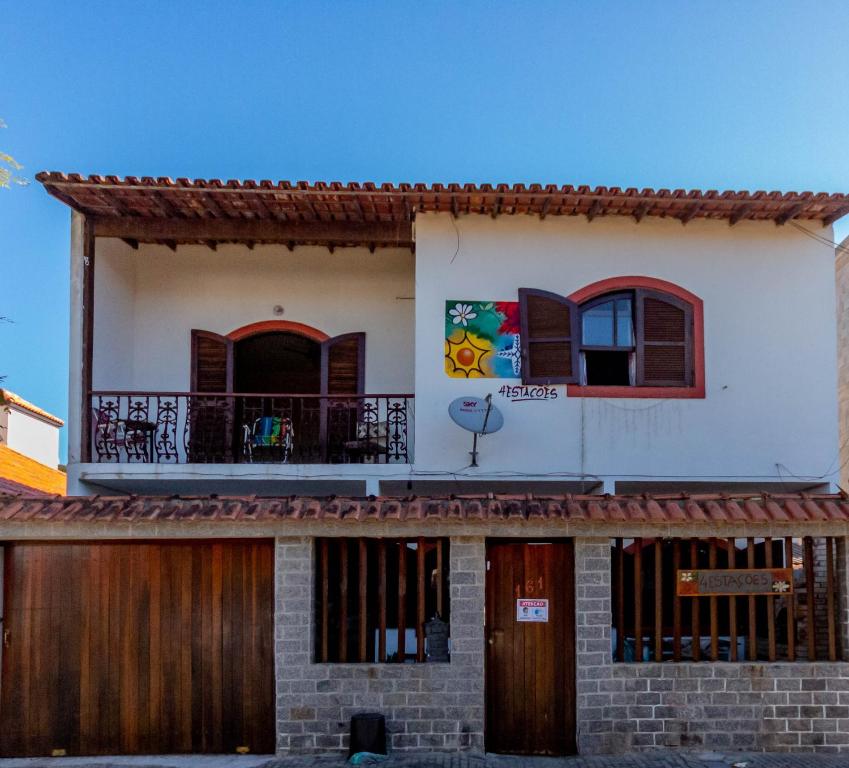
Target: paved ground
<point>664,759</point>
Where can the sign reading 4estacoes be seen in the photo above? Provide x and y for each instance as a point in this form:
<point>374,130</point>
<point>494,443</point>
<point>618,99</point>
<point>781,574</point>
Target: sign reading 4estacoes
<point>531,610</point>
<point>743,581</point>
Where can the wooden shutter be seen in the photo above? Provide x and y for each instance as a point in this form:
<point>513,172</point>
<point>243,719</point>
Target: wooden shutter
<point>664,340</point>
<point>549,330</point>
<point>212,362</point>
<point>343,365</point>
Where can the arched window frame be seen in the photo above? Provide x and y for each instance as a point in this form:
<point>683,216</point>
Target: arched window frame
<point>639,287</point>
<point>669,292</point>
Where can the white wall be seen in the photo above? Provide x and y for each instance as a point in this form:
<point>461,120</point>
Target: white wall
<point>147,302</point>
<point>770,345</point>
<point>32,436</point>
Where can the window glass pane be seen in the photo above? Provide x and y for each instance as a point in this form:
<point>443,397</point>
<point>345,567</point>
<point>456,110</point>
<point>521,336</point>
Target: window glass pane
<point>597,325</point>
<point>624,323</point>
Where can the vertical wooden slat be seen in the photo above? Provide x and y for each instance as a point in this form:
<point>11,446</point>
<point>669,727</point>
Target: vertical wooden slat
<point>732,603</point>
<point>809,586</point>
<point>791,602</point>
<point>325,599</point>
<point>658,599</point>
<point>676,601</point>
<point>439,555</point>
<point>829,591</point>
<point>714,608</point>
<point>381,598</point>
<point>753,632</point>
<point>638,600</point>
<point>696,630</point>
<point>770,606</point>
<point>343,600</point>
<point>402,600</point>
<point>363,620</point>
<point>620,600</point>
<point>420,599</point>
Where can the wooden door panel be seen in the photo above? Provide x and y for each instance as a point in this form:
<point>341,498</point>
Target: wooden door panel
<point>138,648</point>
<point>530,666</point>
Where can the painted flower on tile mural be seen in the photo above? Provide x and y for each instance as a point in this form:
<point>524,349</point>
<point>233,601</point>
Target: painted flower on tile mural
<point>780,586</point>
<point>687,576</point>
<point>462,313</point>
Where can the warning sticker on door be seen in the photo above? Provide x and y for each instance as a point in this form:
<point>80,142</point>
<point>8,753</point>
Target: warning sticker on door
<point>531,610</point>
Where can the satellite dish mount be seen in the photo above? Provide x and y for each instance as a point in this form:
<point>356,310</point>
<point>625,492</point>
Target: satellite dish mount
<point>477,415</point>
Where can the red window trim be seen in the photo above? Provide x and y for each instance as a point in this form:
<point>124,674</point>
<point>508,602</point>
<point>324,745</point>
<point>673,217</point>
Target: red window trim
<point>697,391</point>
<point>269,326</point>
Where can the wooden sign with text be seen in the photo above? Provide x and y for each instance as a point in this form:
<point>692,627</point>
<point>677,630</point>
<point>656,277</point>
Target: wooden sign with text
<point>742,581</point>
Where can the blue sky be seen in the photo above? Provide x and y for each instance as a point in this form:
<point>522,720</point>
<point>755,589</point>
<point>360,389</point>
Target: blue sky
<point>744,95</point>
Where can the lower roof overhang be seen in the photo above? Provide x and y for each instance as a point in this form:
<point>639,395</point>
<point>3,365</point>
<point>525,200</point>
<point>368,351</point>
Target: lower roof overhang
<point>681,515</point>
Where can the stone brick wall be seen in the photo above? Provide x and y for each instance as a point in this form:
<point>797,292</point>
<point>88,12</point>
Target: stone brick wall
<point>782,707</point>
<point>786,706</point>
<point>427,706</point>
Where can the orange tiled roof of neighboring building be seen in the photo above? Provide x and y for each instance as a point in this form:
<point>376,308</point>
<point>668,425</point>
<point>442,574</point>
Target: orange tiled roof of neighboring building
<point>24,471</point>
<point>8,397</point>
<point>714,510</point>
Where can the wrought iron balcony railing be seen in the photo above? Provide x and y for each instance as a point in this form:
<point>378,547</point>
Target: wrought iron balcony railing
<point>225,428</point>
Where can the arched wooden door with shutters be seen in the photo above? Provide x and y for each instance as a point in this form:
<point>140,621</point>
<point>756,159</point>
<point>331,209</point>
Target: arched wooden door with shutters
<point>325,414</point>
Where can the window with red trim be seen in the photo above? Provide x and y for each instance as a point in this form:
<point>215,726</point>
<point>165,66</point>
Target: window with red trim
<point>632,337</point>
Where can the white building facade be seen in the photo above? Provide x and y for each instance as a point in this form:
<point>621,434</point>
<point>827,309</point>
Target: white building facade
<point>260,382</point>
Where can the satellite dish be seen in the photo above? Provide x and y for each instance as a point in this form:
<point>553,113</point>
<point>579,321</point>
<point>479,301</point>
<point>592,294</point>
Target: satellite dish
<point>477,415</point>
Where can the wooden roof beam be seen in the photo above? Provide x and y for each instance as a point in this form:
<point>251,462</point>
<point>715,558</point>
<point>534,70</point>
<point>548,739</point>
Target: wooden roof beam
<point>640,211</point>
<point>595,209</point>
<point>743,212</point>
<point>134,244</point>
<point>838,214</point>
<point>691,213</point>
<point>790,213</point>
<point>393,234</point>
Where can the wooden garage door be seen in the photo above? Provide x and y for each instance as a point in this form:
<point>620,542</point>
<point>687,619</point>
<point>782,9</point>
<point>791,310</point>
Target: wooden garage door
<point>124,648</point>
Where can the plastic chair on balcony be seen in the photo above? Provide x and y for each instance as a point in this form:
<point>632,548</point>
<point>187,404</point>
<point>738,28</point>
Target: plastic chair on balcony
<point>269,436</point>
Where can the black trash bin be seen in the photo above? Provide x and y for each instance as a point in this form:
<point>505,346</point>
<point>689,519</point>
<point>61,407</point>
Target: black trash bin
<point>368,733</point>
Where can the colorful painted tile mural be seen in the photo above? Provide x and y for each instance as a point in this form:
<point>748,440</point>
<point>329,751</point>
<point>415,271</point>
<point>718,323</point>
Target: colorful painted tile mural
<point>482,339</point>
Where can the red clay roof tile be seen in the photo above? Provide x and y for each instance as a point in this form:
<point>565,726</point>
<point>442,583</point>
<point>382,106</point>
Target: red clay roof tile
<point>718,510</point>
<point>112,198</point>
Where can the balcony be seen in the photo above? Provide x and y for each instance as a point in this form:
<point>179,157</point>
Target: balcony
<point>225,428</point>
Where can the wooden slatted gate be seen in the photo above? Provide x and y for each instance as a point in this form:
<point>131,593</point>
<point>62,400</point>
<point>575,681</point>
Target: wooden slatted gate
<point>153,647</point>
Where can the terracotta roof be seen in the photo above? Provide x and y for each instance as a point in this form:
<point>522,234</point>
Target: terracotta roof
<point>29,473</point>
<point>145,209</point>
<point>670,510</point>
<point>7,397</point>
<point>10,487</point>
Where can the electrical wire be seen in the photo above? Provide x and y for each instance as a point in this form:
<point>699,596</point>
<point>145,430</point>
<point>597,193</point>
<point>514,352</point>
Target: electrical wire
<point>457,232</point>
<point>820,238</point>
